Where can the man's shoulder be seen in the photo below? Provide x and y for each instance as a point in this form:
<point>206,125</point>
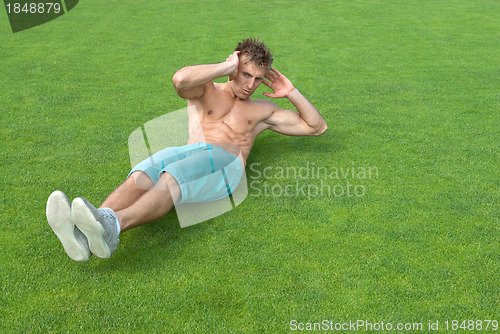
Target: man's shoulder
<point>214,89</point>
<point>266,104</point>
<point>265,109</point>
<point>211,90</point>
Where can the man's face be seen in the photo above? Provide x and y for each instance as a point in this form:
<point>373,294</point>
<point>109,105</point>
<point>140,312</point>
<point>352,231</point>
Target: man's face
<point>247,80</point>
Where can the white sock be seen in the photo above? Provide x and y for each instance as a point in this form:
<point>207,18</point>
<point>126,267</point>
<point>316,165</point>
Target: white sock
<point>117,226</point>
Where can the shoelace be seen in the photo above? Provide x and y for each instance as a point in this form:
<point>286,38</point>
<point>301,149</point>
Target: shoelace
<point>108,215</point>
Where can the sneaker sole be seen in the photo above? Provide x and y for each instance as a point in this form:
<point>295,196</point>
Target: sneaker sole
<point>58,214</point>
<point>85,220</point>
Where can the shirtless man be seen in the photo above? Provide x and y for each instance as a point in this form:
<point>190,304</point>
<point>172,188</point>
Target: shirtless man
<point>223,124</point>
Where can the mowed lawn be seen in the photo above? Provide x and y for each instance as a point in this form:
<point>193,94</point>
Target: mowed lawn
<point>391,216</point>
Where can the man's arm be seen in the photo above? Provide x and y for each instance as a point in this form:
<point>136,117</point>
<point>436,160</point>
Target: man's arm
<point>190,81</point>
<point>307,122</point>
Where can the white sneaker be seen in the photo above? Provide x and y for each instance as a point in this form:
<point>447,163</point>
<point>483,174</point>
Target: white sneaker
<point>98,225</point>
<point>59,217</point>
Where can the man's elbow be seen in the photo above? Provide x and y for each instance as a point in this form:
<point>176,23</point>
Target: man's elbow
<point>178,81</point>
<point>181,85</point>
<point>320,130</point>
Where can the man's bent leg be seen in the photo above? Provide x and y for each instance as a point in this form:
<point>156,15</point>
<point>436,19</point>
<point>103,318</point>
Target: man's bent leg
<point>152,205</point>
<point>128,192</point>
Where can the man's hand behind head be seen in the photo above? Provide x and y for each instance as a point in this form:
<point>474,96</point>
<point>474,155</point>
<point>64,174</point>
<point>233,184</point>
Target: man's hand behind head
<point>281,86</point>
<point>234,59</point>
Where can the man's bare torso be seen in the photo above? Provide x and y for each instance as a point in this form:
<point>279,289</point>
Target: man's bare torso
<point>221,119</point>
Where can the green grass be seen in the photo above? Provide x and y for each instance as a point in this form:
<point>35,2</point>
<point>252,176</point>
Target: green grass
<point>408,87</point>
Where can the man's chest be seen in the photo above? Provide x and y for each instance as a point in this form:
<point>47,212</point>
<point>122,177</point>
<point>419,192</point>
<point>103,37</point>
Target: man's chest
<point>241,116</point>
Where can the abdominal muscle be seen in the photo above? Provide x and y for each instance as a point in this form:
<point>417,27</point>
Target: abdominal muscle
<point>221,134</point>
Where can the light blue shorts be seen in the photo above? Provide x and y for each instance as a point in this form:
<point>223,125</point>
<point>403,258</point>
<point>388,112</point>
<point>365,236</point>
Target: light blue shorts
<point>204,172</point>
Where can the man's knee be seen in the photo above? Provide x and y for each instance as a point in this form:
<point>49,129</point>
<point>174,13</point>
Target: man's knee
<point>141,180</point>
<point>168,182</point>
